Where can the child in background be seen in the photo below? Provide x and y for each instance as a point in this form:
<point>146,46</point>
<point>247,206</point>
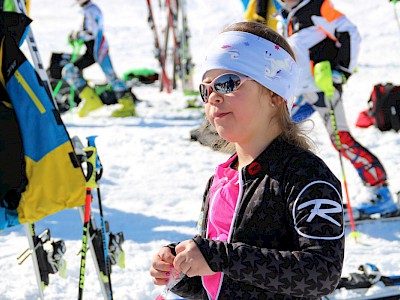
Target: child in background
<point>326,45</point>
<point>96,51</point>
<point>271,225</point>
<point>260,11</point>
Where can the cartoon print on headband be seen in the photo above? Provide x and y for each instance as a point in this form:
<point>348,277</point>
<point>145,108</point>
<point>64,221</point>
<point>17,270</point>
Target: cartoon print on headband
<point>232,50</point>
<point>274,67</point>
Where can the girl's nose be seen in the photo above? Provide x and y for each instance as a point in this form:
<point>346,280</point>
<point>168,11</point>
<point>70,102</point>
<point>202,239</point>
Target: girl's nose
<point>215,98</point>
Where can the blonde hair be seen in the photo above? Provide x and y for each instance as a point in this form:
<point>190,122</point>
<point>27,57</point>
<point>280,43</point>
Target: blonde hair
<point>292,132</point>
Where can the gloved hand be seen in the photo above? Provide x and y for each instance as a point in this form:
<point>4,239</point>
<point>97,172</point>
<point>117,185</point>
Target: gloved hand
<point>76,36</point>
<point>72,36</point>
<point>323,78</point>
<point>338,77</point>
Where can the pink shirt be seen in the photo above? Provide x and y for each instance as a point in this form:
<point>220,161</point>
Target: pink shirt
<point>224,194</point>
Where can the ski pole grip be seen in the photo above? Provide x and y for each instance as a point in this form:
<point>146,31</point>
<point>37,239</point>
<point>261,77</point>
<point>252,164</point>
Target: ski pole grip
<point>91,142</point>
<point>91,167</point>
<point>323,78</point>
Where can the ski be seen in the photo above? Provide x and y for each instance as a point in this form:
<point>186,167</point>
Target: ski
<point>374,218</point>
<point>367,283</point>
<point>172,8</point>
<point>33,49</point>
<point>47,256</point>
<point>165,81</point>
<point>362,294</point>
<point>95,247</point>
<point>186,58</point>
<point>104,255</point>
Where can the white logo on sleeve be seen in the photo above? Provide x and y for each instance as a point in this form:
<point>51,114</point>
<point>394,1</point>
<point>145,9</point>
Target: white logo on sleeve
<point>314,210</point>
<point>323,213</point>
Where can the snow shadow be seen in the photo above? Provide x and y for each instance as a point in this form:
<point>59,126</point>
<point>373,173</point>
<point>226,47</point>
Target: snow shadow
<point>136,227</point>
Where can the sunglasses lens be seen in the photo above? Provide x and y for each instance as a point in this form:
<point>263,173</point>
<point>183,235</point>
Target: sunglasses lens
<point>203,92</point>
<point>227,83</point>
<point>224,84</point>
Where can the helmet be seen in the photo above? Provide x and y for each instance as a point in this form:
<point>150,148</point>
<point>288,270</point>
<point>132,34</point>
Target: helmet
<point>288,4</point>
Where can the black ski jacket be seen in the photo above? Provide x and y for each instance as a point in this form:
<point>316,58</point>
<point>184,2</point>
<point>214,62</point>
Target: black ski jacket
<point>287,238</point>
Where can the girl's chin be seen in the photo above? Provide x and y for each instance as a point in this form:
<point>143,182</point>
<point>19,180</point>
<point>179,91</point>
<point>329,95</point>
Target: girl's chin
<point>226,134</point>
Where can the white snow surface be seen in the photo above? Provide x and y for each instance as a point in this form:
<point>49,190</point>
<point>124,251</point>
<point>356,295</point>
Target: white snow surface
<point>154,176</point>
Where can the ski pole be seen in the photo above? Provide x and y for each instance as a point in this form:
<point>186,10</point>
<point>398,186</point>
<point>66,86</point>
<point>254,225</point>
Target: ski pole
<point>354,233</point>
<point>323,79</point>
<point>395,13</point>
<point>90,184</point>
<point>99,169</point>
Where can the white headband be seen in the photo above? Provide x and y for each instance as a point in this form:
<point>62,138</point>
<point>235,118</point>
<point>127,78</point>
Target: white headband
<point>253,56</point>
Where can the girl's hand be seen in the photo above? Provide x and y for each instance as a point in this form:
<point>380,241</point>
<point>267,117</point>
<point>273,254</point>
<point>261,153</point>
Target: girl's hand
<point>190,261</point>
<point>162,266</point>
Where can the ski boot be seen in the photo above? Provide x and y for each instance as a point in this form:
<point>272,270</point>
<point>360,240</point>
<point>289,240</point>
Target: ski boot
<point>90,101</point>
<point>128,106</point>
<point>117,255</point>
<point>371,272</point>
<point>381,203</point>
<point>367,276</point>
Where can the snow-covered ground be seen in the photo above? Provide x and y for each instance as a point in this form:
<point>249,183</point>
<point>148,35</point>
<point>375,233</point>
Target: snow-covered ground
<point>154,175</point>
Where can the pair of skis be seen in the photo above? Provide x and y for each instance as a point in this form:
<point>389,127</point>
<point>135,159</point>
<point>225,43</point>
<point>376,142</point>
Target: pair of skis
<point>177,26</point>
<point>367,284</point>
<point>104,253</point>
<point>47,254</point>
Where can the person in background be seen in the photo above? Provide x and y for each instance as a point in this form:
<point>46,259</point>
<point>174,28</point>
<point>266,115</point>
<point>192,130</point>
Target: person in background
<point>271,224</point>
<point>9,5</point>
<point>326,45</point>
<point>97,51</point>
<point>260,11</point>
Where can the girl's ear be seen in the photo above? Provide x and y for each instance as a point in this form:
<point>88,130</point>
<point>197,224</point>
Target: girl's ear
<point>276,99</point>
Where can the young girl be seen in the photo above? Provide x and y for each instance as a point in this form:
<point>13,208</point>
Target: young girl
<point>272,216</point>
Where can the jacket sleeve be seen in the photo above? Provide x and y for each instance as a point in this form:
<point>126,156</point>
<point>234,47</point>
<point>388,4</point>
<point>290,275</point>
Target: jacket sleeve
<point>339,28</point>
<point>349,40</point>
<point>90,25</point>
<point>312,264</point>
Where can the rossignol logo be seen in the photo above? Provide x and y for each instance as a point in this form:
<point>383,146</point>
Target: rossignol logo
<point>323,213</point>
<point>254,168</point>
<point>317,209</point>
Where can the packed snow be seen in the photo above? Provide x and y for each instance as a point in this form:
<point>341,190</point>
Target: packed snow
<point>154,176</point>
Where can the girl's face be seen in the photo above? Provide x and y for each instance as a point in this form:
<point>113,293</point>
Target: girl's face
<point>240,116</point>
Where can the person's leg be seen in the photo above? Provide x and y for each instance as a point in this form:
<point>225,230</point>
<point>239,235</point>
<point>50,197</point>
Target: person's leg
<point>125,97</point>
<point>368,166</point>
<point>72,74</point>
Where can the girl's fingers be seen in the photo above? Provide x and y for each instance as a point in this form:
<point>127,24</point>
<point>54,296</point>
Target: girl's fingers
<point>160,281</point>
<point>167,256</point>
<point>162,266</point>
